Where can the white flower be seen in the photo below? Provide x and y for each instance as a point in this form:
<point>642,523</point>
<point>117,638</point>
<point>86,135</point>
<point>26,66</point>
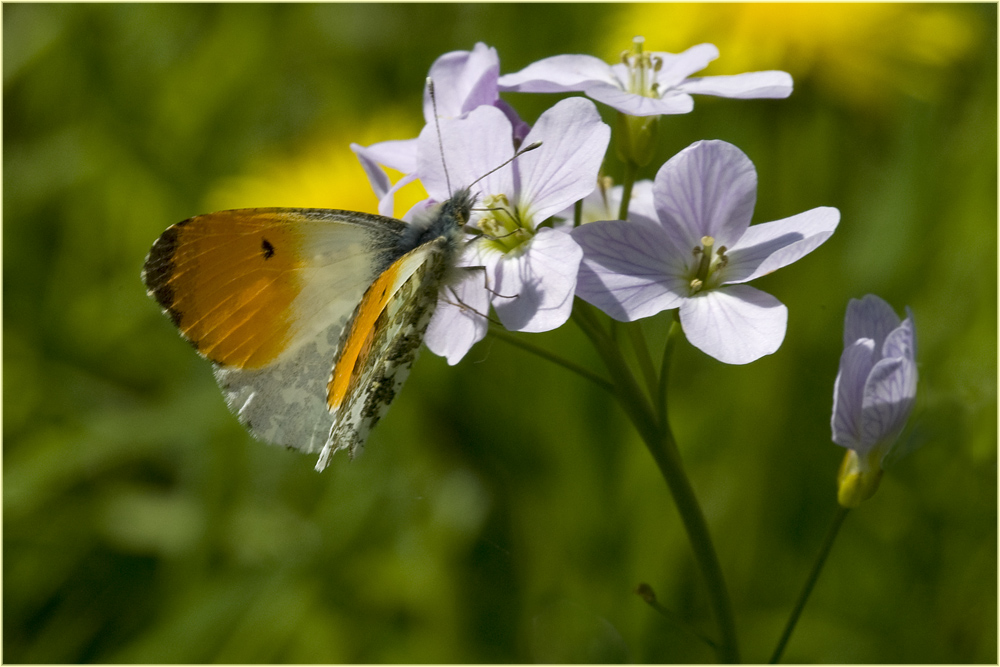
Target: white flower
<point>645,83</point>
<point>530,270</point>
<point>698,253</point>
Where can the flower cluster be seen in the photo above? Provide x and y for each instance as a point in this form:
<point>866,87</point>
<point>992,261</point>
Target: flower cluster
<point>688,243</point>
<point>549,229</point>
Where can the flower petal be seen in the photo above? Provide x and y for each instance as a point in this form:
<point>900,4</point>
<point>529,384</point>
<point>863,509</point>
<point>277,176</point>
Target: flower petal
<point>377,177</point>
<point>901,341</point>
<point>564,168</point>
<point>750,85</point>
<point>534,289</point>
<point>472,146</point>
<point>768,247</point>
<point>463,80</point>
<point>888,399</point>
<point>639,105</point>
<point>558,74</point>
<point>387,203</point>
<point>736,324</point>
<point>399,155</point>
<point>521,128</point>
<point>459,320</point>
<point>673,68</point>
<point>869,317</point>
<point>626,269</point>
<point>677,67</point>
<point>848,390</point>
<point>708,189</point>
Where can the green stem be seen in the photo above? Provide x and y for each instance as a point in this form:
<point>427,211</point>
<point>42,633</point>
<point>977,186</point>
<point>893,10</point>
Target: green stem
<point>631,169</point>
<point>668,353</point>
<point>660,442</point>
<point>645,591</point>
<point>824,551</point>
<point>516,341</point>
<point>643,357</point>
<point>627,391</point>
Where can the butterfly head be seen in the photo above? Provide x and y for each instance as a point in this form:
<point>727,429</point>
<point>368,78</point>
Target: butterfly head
<point>445,220</point>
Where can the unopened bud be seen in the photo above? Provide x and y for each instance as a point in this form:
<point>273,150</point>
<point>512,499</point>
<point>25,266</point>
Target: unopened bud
<point>856,482</point>
<point>635,138</point>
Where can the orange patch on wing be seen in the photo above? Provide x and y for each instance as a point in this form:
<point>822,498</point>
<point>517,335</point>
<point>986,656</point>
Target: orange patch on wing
<point>359,341</point>
<point>228,280</point>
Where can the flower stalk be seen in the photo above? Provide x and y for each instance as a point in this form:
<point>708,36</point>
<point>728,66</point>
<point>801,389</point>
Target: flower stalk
<point>518,341</point>
<point>653,427</point>
<point>631,169</point>
<point>648,595</point>
<point>824,551</point>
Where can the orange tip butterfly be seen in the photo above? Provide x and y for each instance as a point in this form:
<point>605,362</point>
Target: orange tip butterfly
<point>311,317</point>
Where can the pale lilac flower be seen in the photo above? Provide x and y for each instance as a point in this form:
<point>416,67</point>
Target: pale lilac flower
<point>697,253</point>
<point>645,83</point>
<point>877,380</point>
<point>528,272</point>
<point>463,81</point>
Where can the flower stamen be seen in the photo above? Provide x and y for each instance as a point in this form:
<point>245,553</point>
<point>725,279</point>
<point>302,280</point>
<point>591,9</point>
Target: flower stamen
<point>503,224</point>
<point>709,263</point>
<point>705,262</point>
<point>641,69</point>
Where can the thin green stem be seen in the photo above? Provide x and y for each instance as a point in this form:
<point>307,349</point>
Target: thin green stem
<point>516,341</point>
<point>643,357</point>
<point>824,551</point>
<point>660,442</point>
<point>631,169</point>
<point>645,591</point>
<point>577,212</point>
<point>627,391</point>
<point>668,353</point>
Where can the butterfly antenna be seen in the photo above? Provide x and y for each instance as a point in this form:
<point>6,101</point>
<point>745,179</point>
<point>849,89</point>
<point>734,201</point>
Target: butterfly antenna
<point>437,126</point>
<point>519,153</point>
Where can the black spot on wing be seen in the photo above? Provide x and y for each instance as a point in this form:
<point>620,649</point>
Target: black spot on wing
<point>267,248</point>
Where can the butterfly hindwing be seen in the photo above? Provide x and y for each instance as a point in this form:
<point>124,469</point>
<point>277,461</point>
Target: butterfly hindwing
<point>378,349</point>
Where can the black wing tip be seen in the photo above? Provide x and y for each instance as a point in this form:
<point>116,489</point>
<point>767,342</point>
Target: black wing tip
<point>159,267</point>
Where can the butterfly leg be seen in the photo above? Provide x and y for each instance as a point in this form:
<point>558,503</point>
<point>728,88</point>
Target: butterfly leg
<point>457,301</point>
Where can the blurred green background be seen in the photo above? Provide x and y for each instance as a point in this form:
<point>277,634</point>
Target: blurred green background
<point>504,510</point>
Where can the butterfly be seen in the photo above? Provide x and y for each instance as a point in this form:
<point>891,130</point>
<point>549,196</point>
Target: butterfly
<point>312,318</point>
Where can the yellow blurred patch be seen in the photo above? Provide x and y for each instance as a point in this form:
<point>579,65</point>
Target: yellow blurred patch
<point>864,53</point>
<point>323,173</point>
